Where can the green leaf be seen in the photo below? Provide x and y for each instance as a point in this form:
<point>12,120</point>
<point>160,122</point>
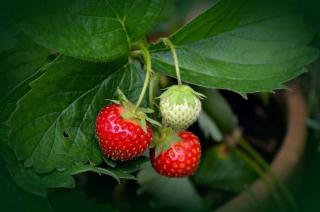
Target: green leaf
<point>26,62</point>
<point>313,124</point>
<point>240,47</point>
<point>175,193</point>
<point>18,65</point>
<point>67,201</point>
<point>139,16</point>
<point>55,120</point>
<point>4,129</point>
<point>13,198</point>
<point>209,127</point>
<point>25,179</point>
<point>28,180</point>
<point>222,168</point>
<point>100,30</point>
<point>115,173</point>
<point>219,110</point>
<point>132,166</point>
<point>7,37</point>
<point>128,166</point>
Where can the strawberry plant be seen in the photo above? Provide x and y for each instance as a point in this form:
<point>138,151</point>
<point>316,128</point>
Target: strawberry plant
<point>80,87</point>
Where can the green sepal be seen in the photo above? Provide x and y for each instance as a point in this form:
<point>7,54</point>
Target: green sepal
<point>164,139</point>
<point>130,111</point>
<point>113,101</point>
<point>180,94</point>
<point>110,162</point>
<point>153,122</point>
<point>198,94</point>
<point>147,110</point>
<point>121,96</point>
<point>143,125</point>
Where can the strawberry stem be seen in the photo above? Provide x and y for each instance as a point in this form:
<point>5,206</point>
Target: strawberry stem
<point>151,86</point>
<point>169,44</point>
<point>147,60</point>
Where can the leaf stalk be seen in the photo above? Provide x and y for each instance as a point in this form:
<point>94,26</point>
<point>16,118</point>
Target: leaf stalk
<point>147,60</point>
<point>169,44</point>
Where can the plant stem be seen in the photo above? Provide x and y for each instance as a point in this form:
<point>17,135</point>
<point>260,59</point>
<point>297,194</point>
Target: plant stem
<point>169,44</point>
<point>261,174</point>
<point>147,61</point>
<point>151,86</point>
<point>267,168</point>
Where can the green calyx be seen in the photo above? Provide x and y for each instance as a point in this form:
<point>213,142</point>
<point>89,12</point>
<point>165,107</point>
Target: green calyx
<point>130,111</point>
<point>164,139</point>
<point>181,94</point>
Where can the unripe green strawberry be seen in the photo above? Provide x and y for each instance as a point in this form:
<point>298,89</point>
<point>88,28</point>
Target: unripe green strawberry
<point>180,107</point>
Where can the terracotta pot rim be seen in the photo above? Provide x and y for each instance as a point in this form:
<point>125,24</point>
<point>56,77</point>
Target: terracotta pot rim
<point>286,158</point>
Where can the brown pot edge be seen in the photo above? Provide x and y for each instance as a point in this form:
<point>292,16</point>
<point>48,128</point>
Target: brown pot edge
<point>287,157</point>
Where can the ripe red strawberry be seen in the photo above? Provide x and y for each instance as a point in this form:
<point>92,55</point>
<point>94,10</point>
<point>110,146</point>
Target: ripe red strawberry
<point>121,138</point>
<point>181,159</point>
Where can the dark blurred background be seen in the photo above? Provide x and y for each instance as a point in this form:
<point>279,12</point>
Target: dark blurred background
<point>91,193</point>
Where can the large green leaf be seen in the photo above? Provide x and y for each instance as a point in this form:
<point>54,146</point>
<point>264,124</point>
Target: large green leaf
<point>177,194</point>
<point>216,106</point>
<point>19,65</point>
<point>209,127</point>
<point>99,30</point>
<point>66,201</point>
<point>139,16</point>
<point>8,31</point>
<point>25,178</point>
<point>37,184</point>
<point>14,199</point>
<point>9,26</point>
<point>28,180</point>
<point>241,48</point>
<point>223,16</point>
<point>55,120</point>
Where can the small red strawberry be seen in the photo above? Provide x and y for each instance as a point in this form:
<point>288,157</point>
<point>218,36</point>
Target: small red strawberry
<point>122,137</point>
<point>181,159</point>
